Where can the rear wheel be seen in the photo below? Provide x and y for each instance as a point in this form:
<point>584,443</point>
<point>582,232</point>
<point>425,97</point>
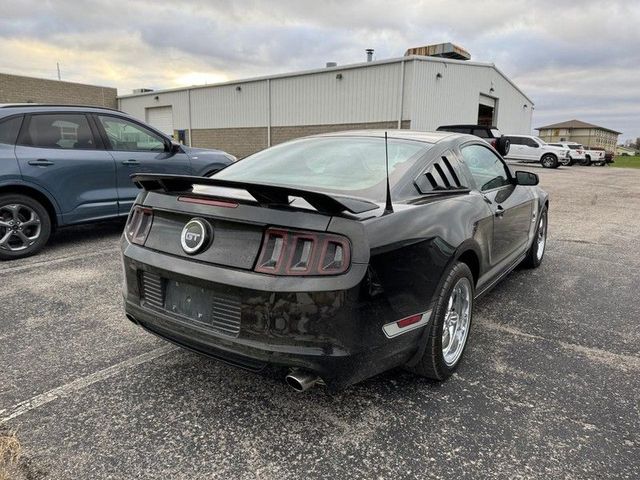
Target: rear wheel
<point>565,161</point>
<point>450,324</point>
<point>25,226</point>
<point>586,162</point>
<point>536,251</point>
<point>549,161</point>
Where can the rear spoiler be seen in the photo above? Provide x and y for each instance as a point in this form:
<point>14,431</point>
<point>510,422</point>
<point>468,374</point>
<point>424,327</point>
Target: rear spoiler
<point>265,195</point>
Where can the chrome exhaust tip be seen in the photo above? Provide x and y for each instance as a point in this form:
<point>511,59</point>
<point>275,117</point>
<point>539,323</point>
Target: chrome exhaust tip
<point>301,380</point>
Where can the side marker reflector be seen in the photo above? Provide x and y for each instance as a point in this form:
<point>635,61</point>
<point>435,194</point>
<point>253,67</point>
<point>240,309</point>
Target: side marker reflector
<point>406,324</point>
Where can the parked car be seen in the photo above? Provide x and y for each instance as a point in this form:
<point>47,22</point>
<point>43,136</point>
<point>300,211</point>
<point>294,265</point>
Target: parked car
<point>595,156</point>
<point>63,165</point>
<point>576,151</point>
<point>307,256</point>
<point>527,148</point>
<point>492,135</point>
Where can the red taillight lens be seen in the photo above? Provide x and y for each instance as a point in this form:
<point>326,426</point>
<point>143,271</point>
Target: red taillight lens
<point>290,252</point>
<point>139,225</point>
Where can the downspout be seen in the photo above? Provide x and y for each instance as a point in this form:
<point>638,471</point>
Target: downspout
<point>401,99</point>
<point>268,112</point>
<point>189,109</point>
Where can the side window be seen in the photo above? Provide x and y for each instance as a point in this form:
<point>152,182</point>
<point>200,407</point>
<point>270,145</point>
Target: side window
<point>9,130</point>
<point>515,140</point>
<point>529,142</point>
<point>128,136</point>
<point>67,131</point>
<point>487,169</point>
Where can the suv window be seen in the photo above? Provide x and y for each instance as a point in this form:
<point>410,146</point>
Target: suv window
<point>515,140</point>
<point>69,131</point>
<point>529,142</point>
<point>9,130</point>
<point>129,136</point>
<point>487,169</point>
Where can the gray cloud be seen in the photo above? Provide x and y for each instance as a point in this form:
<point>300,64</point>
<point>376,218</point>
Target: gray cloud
<point>575,59</point>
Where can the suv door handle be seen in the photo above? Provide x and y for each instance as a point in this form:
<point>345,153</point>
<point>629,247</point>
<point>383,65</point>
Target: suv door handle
<point>499,211</point>
<point>131,161</point>
<point>41,162</point>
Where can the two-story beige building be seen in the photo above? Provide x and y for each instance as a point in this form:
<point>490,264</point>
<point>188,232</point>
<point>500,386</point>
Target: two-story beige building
<point>584,133</point>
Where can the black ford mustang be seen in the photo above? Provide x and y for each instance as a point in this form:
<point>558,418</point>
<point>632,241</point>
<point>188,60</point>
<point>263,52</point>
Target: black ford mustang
<point>305,257</point>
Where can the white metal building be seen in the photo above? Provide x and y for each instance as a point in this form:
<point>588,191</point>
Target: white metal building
<point>414,92</point>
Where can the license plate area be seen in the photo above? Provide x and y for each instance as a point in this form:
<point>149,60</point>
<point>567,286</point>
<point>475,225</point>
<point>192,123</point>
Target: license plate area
<point>219,311</point>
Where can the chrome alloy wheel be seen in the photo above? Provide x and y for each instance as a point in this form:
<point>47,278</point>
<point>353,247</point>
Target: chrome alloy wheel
<point>20,227</point>
<point>457,320</point>
<point>541,236</point>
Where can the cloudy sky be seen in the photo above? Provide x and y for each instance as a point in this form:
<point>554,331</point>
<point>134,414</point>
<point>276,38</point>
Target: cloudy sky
<point>576,59</point>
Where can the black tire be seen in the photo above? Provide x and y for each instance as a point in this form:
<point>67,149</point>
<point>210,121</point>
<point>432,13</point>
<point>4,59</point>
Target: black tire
<point>533,260</point>
<point>14,210</point>
<point>565,162</point>
<point>432,362</point>
<point>586,162</point>
<point>503,144</point>
<point>549,160</point>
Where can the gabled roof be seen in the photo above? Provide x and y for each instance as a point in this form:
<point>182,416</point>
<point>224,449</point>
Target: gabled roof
<point>576,124</point>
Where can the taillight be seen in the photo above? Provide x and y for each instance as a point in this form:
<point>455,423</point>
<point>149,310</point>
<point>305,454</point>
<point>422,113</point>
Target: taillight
<point>292,252</point>
<point>139,225</point>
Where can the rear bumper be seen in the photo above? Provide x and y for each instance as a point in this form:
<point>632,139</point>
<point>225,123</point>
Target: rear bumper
<point>336,332</point>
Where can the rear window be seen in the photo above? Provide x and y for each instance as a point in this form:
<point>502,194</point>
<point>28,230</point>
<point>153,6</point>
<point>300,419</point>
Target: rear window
<point>344,165</point>
<point>9,130</point>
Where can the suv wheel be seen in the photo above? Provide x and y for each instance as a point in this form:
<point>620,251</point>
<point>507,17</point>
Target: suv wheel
<point>503,145</point>
<point>25,226</point>
<point>549,160</point>
<point>566,161</point>
<point>586,162</point>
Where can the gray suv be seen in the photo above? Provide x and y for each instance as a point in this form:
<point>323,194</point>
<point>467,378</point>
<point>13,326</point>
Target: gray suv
<point>63,165</point>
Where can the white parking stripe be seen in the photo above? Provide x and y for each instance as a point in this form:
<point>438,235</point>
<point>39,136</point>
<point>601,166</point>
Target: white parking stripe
<point>54,261</point>
<point>44,398</point>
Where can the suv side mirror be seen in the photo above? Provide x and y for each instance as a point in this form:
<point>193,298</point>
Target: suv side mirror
<point>526,178</point>
<point>175,147</point>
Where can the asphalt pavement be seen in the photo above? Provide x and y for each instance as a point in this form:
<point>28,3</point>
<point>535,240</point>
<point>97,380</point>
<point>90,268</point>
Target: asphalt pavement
<point>549,386</point>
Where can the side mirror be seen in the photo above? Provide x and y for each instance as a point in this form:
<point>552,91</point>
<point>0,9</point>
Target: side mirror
<point>175,147</point>
<point>526,178</point>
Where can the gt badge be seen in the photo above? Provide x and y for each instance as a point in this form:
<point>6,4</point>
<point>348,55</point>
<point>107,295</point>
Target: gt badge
<point>196,235</point>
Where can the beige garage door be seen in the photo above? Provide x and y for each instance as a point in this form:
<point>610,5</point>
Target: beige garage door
<point>161,118</point>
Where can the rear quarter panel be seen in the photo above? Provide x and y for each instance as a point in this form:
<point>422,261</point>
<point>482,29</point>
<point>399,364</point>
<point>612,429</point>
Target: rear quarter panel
<point>412,248</point>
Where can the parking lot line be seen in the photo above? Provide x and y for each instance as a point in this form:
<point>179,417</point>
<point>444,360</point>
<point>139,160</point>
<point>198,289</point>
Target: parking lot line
<point>81,383</point>
<point>55,261</point>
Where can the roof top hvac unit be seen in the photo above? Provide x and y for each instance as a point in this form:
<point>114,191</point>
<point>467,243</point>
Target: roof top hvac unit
<point>445,50</point>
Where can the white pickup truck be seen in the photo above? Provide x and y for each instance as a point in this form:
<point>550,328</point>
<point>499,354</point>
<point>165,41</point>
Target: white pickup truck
<point>576,152</point>
<point>595,156</point>
<point>527,148</point>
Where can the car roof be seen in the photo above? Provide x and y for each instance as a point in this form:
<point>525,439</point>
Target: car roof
<point>11,108</point>
<point>425,137</point>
